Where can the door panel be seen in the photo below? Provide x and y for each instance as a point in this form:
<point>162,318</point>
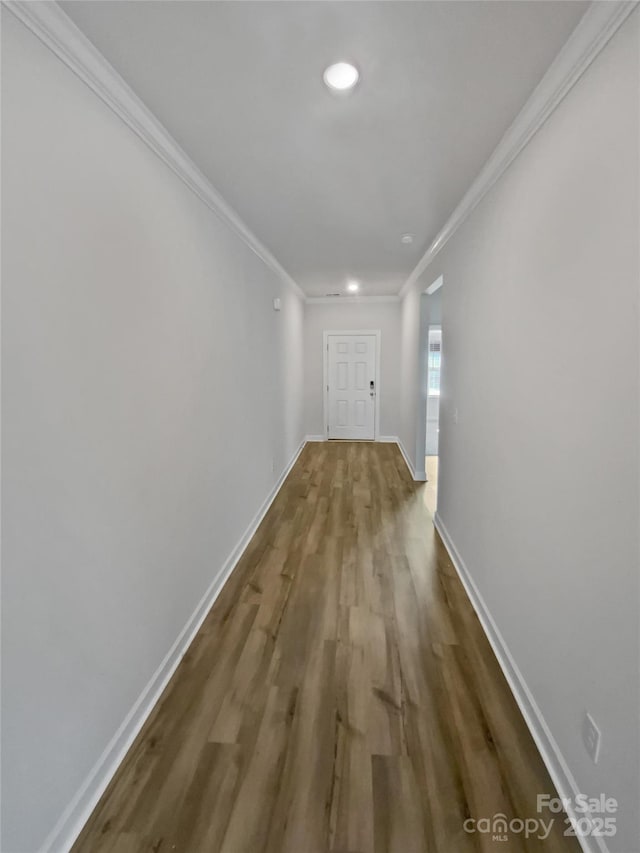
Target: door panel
<point>352,400</point>
<point>342,373</point>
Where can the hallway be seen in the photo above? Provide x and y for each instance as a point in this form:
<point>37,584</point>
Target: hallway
<point>340,696</point>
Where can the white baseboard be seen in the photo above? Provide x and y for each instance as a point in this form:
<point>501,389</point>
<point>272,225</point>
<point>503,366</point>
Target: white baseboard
<point>558,768</point>
<point>70,824</point>
<point>418,475</point>
<point>384,439</point>
<point>405,457</point>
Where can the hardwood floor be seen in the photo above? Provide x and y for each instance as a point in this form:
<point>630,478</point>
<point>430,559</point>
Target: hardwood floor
<point>340,696</point>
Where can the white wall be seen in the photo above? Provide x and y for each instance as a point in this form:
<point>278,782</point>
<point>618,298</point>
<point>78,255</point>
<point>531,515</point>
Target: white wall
<point>151,397</point>
<point>320,317</point>
<point>538,484</point>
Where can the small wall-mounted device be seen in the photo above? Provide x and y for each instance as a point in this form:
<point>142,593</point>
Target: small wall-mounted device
<point>591,737</point>
<point>276,304</point>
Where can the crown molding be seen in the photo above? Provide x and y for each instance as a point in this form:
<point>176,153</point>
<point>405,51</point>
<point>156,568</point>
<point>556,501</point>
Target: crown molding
<point>599,23</point>
<point>59,33</point>
<point>353,300</point>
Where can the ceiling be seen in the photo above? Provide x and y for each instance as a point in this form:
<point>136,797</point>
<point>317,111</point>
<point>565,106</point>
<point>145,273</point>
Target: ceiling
<point>328,183</point>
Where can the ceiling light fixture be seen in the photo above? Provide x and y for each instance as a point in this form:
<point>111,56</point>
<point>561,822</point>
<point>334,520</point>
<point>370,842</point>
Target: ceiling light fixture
<point>341,76</point>
<point>353,286</point>
<point>407,239</point>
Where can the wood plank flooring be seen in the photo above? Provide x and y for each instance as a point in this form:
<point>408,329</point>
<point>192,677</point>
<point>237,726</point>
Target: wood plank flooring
<point>340,697</point>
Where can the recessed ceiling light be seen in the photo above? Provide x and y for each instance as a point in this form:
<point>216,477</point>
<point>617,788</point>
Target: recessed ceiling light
<point>341,76</point>
<point>353,286</point>
<point>407,239</point>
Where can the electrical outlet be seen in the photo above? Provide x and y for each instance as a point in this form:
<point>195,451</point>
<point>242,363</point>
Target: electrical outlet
<point>455,415</point>
<point>591,737</point>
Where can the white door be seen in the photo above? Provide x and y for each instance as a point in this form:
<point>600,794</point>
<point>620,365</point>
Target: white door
<point>352,386</point>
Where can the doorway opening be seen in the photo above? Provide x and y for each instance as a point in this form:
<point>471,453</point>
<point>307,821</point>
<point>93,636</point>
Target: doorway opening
<point>432,415</point>
<point>428,444</point>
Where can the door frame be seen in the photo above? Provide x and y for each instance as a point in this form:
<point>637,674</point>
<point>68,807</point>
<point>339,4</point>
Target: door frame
<point>325,375</point>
